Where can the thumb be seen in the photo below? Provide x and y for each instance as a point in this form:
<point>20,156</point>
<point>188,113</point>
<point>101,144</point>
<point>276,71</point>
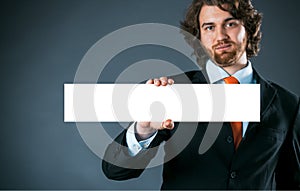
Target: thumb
<point>168,124</point>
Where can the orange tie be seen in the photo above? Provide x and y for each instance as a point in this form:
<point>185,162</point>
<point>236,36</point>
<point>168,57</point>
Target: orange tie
<point>236,127</point>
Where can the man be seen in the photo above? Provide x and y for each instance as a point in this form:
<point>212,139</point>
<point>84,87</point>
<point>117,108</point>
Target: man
<point>245,155</point>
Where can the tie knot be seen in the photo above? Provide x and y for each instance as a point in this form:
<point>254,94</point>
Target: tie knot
<point>231,80</point>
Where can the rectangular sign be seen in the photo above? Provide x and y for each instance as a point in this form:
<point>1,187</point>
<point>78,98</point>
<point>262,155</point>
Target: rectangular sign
<point>146,102</point>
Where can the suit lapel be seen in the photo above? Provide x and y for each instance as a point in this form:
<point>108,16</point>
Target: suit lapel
<point>267,94</point>
<point>200,77</point>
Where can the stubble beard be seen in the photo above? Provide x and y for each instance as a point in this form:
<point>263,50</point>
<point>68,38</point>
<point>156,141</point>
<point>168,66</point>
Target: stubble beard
<point>226,59</point>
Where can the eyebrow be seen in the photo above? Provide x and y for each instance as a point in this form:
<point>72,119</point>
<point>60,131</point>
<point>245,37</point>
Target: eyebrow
<point>211,23</point>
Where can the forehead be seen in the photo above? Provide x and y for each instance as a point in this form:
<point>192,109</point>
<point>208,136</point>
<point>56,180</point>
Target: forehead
<point>213,14</point>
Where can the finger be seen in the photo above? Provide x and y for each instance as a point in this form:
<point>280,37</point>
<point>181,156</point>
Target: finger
<point>157,82</point>
<point>164,81</point>
<point>170,81</point>
<point>150,81</point>
<point>168,124</point>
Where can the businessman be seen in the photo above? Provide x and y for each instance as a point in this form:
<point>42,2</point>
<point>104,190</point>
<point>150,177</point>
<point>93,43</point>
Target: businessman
<point>245,155</point>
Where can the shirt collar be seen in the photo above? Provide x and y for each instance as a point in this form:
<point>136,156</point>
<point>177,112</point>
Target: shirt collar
<point>216,74</point>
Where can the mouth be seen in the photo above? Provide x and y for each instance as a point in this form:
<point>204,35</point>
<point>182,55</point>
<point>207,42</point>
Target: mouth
<point>222,47</point>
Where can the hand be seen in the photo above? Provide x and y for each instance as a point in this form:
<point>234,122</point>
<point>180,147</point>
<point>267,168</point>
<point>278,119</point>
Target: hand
<point>145,129</point>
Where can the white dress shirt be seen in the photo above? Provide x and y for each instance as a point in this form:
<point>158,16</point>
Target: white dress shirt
<point>216,75</point>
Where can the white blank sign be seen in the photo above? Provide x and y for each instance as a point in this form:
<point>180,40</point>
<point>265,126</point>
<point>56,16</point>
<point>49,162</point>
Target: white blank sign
<point>146,102</point>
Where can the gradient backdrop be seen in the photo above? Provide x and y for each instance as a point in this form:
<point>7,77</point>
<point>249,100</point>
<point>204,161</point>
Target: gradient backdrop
<point>42,44</point>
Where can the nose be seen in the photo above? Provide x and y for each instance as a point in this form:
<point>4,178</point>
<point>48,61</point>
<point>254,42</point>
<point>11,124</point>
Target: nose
<point>221,34</point>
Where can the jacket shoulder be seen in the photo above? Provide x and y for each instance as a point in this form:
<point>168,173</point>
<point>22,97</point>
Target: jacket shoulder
<point>283,93</point>
<point>288,100</point>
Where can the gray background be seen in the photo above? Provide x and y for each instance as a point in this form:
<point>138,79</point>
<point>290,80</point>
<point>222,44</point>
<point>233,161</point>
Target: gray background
<point>42,44</point>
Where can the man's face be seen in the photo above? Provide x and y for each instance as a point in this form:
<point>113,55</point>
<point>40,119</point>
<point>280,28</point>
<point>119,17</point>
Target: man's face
<point>223,36</point>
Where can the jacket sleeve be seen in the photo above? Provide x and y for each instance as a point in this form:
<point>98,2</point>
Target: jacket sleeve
<point>288,168</point>
<point>117,164</point>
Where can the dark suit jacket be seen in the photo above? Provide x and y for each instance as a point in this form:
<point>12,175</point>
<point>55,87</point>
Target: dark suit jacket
<point>268,157</point>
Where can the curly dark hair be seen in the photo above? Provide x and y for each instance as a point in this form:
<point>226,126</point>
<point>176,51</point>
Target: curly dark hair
<point>240,9</point>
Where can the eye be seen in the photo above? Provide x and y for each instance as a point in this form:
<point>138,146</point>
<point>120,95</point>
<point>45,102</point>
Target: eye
<point>231,24</point>
<point>209,28</point>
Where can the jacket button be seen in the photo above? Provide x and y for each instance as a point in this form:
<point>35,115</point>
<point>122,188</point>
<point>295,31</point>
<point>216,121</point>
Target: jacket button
<point>229,139</point>
<point>233,175</point>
